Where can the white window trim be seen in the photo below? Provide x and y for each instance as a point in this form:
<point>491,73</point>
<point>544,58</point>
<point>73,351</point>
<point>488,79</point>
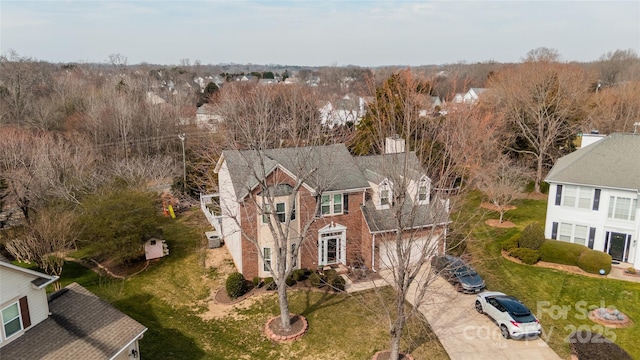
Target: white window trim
<point>341,246</point>
<point>423,183</point>
<point>4,331</point>
<point>264,259</point>
<point>332,204</point>
<point>613,205</point>
<point>266,215</point>
<point>385,185</point>
<point>578,192</point>
<point>572,233</point>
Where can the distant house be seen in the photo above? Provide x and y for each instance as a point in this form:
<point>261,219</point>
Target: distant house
<point>155,99</point>
<point>470,97</point>
<point>207,118</point>
<point>70,324</point>
<point>593,197</point>
<point>267,81</point>
<point>349,201</point>
<point>339,113</point>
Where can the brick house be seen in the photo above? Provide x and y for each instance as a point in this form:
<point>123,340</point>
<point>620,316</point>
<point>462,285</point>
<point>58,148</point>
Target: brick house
<point>338,206</point>
<point>71,323</point>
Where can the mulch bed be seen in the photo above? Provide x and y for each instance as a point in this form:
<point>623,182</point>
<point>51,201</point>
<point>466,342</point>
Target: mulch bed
<point>589,346</point>
<point>275,331</point>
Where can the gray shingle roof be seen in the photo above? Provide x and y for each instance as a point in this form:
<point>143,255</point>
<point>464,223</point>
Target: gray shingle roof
<point>413,216</point>
<point>612,162</point>
<point>81,326</point>
<point>333,167</point>
<point>376,168</point>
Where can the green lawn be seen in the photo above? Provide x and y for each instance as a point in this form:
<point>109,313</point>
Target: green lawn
<point>170,297</point>
<point>558,298</point>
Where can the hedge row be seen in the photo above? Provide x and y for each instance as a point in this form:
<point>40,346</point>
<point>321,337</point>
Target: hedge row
<point>561,252</point>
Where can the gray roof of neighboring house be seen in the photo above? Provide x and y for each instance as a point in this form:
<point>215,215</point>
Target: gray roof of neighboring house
<point>81,326</point>
<point>324,168</point>
<point>612,162</point>
<point>414,216</point>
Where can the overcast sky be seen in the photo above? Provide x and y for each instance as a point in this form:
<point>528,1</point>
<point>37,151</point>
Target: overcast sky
<point>316,33</point>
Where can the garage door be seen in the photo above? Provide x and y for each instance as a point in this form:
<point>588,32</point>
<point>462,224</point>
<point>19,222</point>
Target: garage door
<point>414,247</point>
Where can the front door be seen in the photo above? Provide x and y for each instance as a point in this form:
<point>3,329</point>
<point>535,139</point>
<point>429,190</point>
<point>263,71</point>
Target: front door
<point>332,246</point>
<point>616,249</point>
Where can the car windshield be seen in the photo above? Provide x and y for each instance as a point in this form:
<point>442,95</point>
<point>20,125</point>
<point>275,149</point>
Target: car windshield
<point>465,271</point>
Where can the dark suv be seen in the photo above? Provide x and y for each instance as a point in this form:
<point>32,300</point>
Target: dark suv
<point>458,272</point>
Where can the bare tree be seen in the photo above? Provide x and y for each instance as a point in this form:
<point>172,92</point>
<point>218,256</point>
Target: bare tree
<point>45,240</point>
<point>269,126</point>
<point>542,102</point>
<point>615,109</point>
<point>41,166</point>
<point>21,81</point>
<point>502,181</point>
<point>618,66</point>
<point>413,196</point>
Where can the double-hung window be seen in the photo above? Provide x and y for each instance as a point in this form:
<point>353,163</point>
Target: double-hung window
<point>622,208</point>
<point>11,321</point>
<point>331,204</point>
<point>266,255</point>
<point>280,212</point>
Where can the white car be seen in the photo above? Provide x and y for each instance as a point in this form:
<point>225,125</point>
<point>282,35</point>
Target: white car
<point>513,317</point>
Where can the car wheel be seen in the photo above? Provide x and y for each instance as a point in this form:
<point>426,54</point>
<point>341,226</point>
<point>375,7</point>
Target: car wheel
<point>479,307</point>
<point>504,331</point>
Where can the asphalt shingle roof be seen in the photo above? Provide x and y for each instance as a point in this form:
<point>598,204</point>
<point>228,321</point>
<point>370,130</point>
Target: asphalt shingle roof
<point>612,162</point>
<point>81,326</point>
<point>325,168</point>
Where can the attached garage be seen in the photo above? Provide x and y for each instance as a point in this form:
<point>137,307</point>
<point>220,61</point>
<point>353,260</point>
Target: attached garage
<point>417,248</point>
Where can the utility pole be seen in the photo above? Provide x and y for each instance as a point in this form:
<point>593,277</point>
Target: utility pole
<point>184,164</point>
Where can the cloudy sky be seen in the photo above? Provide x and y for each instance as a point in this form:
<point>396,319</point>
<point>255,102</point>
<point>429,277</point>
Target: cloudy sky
<point>316,33</point>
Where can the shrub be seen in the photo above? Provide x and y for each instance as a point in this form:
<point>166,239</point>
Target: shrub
<point>532,237</point>
<point>290,281</point>
<point>257,282</point>
<point>592,261</point>
<point>235,285</point>
<point>511,243</point>
<point>300,274</point>
<point>338,283</point>
<point>561,252</point>
<point>316,280</point>
<point>270,284</point>
<point>330,274</point>
<point>528,256</point>
<point>631,270</point>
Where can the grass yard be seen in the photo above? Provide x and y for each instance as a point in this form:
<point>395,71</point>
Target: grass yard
<point>559,299</point>
<point>171,296</point>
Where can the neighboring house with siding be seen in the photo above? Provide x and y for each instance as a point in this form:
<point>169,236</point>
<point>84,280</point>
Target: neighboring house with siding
<point>71,323</point>
<point>346,199</point>
<point>593,197</point>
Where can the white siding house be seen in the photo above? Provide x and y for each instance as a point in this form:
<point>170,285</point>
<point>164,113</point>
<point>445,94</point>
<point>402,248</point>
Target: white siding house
<point>593,197</point>
<point>23,300</point>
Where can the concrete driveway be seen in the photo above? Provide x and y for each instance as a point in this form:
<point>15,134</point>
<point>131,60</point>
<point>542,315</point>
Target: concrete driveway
<point>467,334</point>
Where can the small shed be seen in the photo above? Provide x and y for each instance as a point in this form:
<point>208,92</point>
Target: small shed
<point>155,248</point>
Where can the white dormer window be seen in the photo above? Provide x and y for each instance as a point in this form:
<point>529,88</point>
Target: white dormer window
<point>384,197</point>
<point>423,191</point>
<point>385,194</point>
